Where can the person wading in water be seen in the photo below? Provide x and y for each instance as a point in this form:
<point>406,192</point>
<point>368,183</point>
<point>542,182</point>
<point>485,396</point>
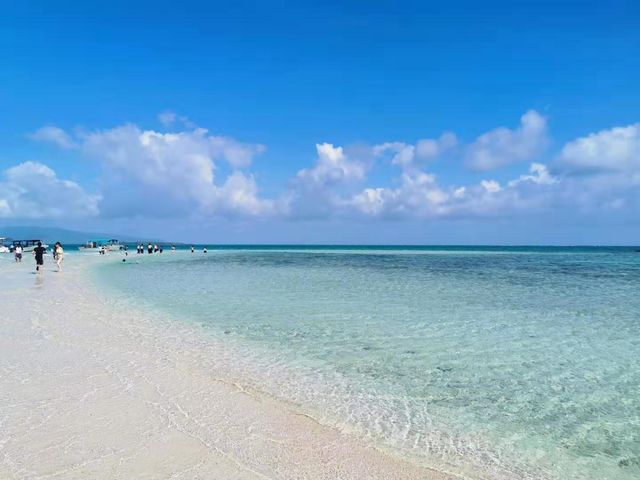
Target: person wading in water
<point>58,255</point>
<point>39,252</point>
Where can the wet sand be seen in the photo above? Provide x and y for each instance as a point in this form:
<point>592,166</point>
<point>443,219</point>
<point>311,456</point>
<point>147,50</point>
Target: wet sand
<point>90,388</point>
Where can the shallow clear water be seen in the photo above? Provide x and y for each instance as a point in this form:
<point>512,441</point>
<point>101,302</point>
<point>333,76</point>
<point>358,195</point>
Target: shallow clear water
<point>523,362</point>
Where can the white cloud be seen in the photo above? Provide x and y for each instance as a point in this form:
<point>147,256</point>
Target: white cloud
<point>332,167</point>
<point>417,195</point>
<point>459,192</point>
<point>172,173</point>
<point>613,150</point>
<point>602,170</point>
<point>539,174</point>
<point>178,164</point>
<point>176,173</point>
<point>334,185</point>
<point>319,191</point>
<point>54,135</point>
<point>430,148</point>
<point>420,195</point>
<point>239,193</point>
<point>403,154</point>
<point>491,186</point>
<point>238,155</point>
<point>372,201</point>
<point>33,190</point>
<point>406,155</point>
<point>504,146</point>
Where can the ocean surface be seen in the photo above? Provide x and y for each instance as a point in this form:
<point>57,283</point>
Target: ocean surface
<point>492,362</point>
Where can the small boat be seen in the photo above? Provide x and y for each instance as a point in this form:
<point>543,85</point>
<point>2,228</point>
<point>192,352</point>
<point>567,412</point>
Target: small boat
<point>3,247</point>
<point>27,245</point>
<point>109,245</point>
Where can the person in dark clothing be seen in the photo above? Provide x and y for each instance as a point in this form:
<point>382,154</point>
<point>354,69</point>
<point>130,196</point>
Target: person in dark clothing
<point>39,252</point>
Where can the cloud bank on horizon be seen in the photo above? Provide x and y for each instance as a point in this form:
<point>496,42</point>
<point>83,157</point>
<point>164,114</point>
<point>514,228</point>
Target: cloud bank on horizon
<point>199,174</point>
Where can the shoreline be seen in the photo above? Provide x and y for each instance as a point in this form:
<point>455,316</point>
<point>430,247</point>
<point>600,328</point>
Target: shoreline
<point>92,389</point>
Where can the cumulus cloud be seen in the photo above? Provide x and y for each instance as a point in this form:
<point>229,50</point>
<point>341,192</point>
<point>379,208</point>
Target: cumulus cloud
<point>538,173</point>
<point>607,151</point>
<point>317,192</point>
<point>33,190</point>
<point>419,194</point>
<point>54,135</point>
<point>333,186</point>
<point>239,193</point>
<point>179,172</point>
<point>428,148</point>
<point>407,155</point>
<point>504,146</point>
<point>491,186</point>
<point>332,167</point>
<point>148,172</point>
<point>177,166</point>
<point>238,155</point>
<point>180,153</point>
<point>601,170</point>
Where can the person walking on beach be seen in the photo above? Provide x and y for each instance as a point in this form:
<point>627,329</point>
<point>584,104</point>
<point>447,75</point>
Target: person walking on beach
<point>58,255</point>
<point>38,253</point>
<point>193,249</point>
<point>18,253</point>
<point>204,250</point>
<point>149,248</point>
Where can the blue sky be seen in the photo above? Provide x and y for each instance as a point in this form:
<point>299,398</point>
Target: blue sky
<point>340,122</point>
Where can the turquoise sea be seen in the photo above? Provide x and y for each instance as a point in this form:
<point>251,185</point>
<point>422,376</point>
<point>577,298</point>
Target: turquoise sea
<point>495,362</point>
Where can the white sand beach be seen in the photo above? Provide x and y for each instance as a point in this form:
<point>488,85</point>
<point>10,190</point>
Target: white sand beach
<point>89,390</point>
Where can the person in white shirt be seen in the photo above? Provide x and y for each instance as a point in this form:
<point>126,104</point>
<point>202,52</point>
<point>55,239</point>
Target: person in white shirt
<point>58,254</point>
<point>18,253</point>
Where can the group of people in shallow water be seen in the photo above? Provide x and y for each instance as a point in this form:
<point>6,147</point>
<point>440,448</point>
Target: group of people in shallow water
<point>38,253</point>
<point>153,248</point>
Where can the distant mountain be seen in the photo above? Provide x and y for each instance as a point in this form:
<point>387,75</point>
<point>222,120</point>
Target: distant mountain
<point>51,235</point>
